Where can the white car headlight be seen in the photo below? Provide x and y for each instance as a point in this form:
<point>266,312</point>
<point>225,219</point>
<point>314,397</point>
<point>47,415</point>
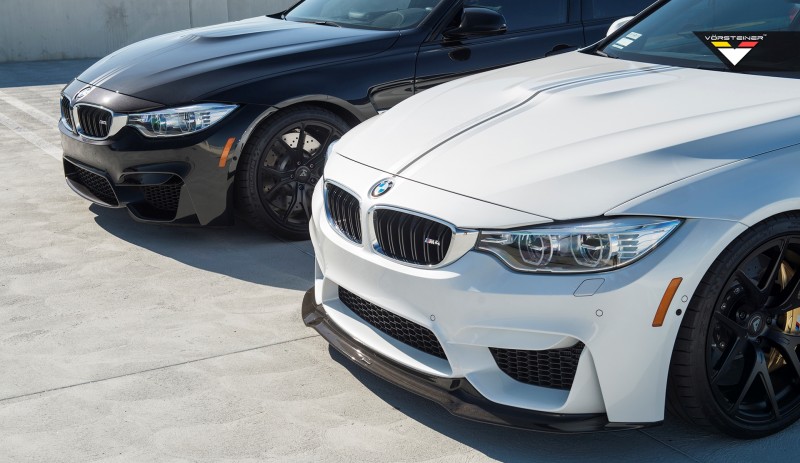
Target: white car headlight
<point>578,248</point>
<point>179,121</point>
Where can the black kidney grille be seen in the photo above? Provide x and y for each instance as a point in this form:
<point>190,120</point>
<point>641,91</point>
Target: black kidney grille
<point>95,122</point>
<point>96,184</point>
<point>393,325</point>
<point>163,197</point>
<point>66,113</point>
<point>410,238</point>
<point>554,368</point>
<point>345,212</point>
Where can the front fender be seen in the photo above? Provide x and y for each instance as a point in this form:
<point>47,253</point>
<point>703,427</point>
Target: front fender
<point>747,191</point>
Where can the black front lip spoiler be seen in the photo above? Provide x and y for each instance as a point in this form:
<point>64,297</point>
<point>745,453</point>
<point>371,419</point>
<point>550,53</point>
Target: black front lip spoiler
<point>456,395</point>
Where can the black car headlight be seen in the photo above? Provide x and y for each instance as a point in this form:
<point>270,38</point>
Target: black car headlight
<point>579,247</point>
<point>175,122</point>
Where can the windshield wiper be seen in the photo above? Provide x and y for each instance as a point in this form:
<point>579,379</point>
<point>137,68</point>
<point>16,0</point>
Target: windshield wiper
<point>600,52</point>
<point>713,68</point>
<point>327,23</point>
<point>319,22</point>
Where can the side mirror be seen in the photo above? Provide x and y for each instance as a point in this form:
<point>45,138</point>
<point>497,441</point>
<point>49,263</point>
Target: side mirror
<point>478,22</point>
<point>618,24</point>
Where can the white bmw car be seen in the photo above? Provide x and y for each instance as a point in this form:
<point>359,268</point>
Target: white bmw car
<point>571,244</point>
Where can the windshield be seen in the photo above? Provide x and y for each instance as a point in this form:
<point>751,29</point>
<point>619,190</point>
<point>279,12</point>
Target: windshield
<point>741,35</point>
<point>371,14</point>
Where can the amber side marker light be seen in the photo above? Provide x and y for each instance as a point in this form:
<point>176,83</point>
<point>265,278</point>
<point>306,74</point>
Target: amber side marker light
<point>224,158</point>
<point>669,294</point>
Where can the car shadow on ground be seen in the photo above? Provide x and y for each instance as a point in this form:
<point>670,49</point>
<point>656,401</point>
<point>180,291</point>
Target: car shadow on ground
<point>238,251</point>
<point>674,441</point>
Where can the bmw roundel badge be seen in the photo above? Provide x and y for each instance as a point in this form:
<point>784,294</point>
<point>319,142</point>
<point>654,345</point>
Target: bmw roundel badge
<point>84,91</point>
<point>381,188</point>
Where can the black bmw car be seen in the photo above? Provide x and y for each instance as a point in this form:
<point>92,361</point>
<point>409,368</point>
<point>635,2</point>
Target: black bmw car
<point>192,126</point>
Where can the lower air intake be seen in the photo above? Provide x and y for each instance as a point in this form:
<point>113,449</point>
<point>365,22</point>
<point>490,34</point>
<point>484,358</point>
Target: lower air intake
<point>554,368</point>
<point>393,325</point>
<point>163,197</point>
<point>97,185</point>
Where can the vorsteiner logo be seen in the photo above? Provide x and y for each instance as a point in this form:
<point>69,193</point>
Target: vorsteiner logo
<point>734,54</point>
<point>731,48</point>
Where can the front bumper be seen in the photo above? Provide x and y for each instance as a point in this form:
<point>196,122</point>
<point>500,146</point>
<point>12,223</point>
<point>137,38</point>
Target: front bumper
<point>476,306</point>
<point>183,180</point>
<point>457,395</point>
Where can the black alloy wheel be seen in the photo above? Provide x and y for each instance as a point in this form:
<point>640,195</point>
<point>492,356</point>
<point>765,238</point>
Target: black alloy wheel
<point>281,165</point>
<point>736,364</point>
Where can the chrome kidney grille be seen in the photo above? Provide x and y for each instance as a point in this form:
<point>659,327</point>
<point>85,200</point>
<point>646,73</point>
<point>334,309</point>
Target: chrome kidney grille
<point>410,238</point>
<point>398,234</point>
<point>94,122</point>
<point>66,112</point>
<point>344,212</point>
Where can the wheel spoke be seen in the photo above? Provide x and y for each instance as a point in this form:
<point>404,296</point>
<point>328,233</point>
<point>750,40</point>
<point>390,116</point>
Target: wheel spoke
<point>763,372</point>
<point>285,149</point>
<point>289,209</point>
<point>271,172</point>
<point>751,289</point>
<point>316,160</point>
<point>775,268</point>
<point>301,141</point>
<point>731,325</point>
<point>782,339</point>
<point>792,299</point>
<point>787,346</point>
<point>737,348</point>
<point>278,187</point>
<point>328,139</point>
<point>307,193</point>
<point>751,377</point>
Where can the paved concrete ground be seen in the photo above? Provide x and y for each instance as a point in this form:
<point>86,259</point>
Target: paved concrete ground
<point>128,342</point>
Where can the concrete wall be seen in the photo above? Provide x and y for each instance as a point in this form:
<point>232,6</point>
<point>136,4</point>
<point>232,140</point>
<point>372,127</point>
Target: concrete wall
<point>64,29</point>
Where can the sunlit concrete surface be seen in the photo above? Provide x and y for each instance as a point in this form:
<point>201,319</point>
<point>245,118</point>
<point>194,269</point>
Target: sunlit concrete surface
<point>128,342</point>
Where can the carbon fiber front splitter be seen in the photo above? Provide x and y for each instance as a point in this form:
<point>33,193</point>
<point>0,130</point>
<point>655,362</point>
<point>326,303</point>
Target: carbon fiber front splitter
<point>456,395</point>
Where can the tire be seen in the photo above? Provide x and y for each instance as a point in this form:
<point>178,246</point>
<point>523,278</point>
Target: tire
<point>736,364</point>
<point>280,166</point>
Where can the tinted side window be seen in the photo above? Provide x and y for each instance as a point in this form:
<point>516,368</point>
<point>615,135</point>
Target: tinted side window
<point>527,14</point>
<point>615,9</point>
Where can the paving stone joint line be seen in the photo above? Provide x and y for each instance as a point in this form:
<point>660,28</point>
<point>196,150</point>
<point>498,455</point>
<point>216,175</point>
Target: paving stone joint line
<point>164,367</point>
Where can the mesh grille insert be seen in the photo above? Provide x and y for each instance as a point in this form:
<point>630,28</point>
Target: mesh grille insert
<point>95,122</point>
<point>393,325</point>
<point>345,212</point>
<point>554,368</point>
<point>163,197</point>
<point>96,184</point>
<point>410,238</point>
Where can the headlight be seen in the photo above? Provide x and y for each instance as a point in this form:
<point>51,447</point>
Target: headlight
<point>179,121</point>
<point>577,248</point>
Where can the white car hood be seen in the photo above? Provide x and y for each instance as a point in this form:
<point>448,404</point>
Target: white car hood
<point>575,135</point>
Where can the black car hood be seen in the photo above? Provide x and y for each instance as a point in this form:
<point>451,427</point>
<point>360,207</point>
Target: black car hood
<point>194,64</point>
